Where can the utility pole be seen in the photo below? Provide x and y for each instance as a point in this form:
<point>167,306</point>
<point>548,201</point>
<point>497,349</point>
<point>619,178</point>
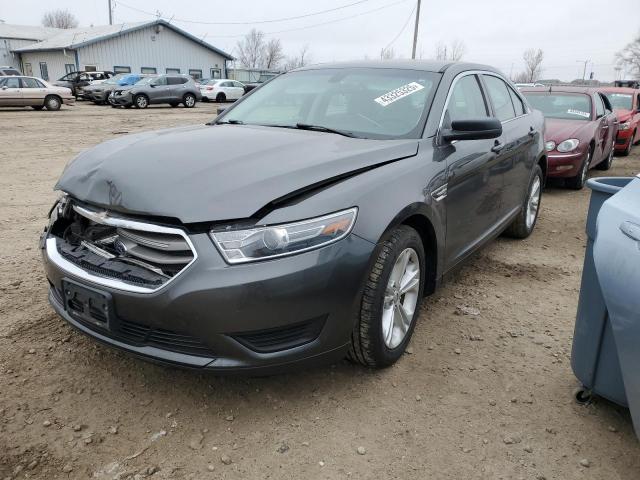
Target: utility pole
<point>584,71</point>
<point>110,13</point>
<point>415,32</point>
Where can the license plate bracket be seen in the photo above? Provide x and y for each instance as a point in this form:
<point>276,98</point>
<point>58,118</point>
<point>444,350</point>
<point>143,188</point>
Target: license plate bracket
<point>87,304</point>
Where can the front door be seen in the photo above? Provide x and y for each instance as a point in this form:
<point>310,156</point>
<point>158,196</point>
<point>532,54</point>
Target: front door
<point>161,90</point>
<point>11,92</point>
<point>474,181</point>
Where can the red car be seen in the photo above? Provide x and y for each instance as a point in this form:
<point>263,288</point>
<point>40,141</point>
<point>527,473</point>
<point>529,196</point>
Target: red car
<point>626,105</point>
<point>580,130</point>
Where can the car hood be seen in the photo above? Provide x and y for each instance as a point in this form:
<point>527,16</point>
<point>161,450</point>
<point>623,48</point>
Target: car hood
<point>623,114</point>
<point>560,130</point>
<point>211,173</point>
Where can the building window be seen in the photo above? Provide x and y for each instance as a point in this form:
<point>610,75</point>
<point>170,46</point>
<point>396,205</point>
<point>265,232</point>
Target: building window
<point>69,68</point>
<point>28,70</point>
<point>215,73</point>
<point>173,70</point>
<point>195,74</point>
<point>121,69</point>
<point>44,71</point>
<point>90,68</point>
<point>148,70</point>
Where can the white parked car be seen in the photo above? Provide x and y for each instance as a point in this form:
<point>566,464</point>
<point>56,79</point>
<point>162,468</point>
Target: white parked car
<point>221,90</point>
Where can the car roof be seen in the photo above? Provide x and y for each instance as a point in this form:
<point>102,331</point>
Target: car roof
<point>628,90</point>
<point>559,89</point>
<point>425,65</point>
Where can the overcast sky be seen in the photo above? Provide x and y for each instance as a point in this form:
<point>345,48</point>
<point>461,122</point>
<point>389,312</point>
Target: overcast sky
<point>495,32</point>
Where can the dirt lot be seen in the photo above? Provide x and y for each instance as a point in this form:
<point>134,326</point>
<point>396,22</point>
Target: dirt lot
<point>477,396</point>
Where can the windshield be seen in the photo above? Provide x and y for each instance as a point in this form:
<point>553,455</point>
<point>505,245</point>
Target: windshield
<point>365,102</point>
<point>566,106</point>
<point>620,101</point>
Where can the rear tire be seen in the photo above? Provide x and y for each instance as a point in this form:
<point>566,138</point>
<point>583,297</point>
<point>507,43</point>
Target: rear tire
<point>52,103</point>
<point>388,316</point>
<point>221,98</point>
<point>526,220</point>
<point>577,182</point>
<point>141,101</point>
<point>189,100</point>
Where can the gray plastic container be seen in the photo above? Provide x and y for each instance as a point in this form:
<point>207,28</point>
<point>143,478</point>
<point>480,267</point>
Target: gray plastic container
<point>595,357</point>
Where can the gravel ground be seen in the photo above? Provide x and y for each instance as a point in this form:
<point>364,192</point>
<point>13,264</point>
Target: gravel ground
<point>482,394</point>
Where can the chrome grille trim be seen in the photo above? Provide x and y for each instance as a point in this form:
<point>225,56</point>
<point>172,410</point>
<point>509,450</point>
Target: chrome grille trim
<point>104,218</point>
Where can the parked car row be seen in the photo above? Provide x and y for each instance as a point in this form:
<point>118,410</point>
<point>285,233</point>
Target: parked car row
<point>584,127</point>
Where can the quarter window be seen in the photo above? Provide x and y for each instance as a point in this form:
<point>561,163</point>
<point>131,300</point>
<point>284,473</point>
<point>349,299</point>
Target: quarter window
<point>466,101</point>
<point>517,103</point>
<point>500,98</point>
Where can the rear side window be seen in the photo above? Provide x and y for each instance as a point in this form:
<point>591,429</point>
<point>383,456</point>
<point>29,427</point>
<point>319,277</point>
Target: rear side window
<point>31,83</point>
<point>517,103</point>
<point>177,80</point>
<point>500,98</point>
<point>466,101</point>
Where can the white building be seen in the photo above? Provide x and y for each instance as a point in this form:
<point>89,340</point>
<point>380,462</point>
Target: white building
<point>144,47</point>
<point>13,37</point>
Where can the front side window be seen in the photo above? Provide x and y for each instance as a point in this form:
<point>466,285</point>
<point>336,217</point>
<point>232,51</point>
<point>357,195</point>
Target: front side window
<point>160,81</point>
<point>466,101</point>
<point>566,106</point>
<point>374,102</point>
<point>500,98</point>
<point>620,101</point>
<point>11,82</point>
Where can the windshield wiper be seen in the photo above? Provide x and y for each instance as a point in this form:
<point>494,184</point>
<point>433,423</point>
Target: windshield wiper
<point>230,122</point>
<point>320,128</point>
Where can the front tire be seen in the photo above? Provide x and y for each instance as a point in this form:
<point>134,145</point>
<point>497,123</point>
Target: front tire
<point>141,101</point>
<point>526,220</point>
<point>52,103</point>
<point>577,182</point>
<point>390,301</point>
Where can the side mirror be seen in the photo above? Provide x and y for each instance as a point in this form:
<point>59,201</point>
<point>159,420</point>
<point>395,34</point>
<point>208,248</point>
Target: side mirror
<point>476,129</point>
<point>221,110</point>
<point>152,85</point>
<point>4,87</point>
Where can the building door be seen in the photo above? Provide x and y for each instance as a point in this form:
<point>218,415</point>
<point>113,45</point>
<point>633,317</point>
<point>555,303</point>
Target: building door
<point>28,70</point>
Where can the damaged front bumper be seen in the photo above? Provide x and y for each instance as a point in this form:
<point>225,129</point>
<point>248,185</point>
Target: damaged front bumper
<point>261,317</point>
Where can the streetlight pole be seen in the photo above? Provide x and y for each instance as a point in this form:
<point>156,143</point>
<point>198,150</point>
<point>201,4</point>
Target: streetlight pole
<point>415,32</point>
<point>110,13</point>
<point>584,71</point>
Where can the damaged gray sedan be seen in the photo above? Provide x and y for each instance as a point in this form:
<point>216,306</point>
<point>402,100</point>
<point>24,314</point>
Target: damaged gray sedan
<point>303,224</point>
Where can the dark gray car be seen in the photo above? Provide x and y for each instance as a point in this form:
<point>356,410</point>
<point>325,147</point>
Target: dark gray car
<point>171,89</point>
<point>303,224</point>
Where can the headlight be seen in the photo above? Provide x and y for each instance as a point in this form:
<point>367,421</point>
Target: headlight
<point>624,126</point>
<point>568,145</point>
<point>550,145</point>
<point>240,246</point>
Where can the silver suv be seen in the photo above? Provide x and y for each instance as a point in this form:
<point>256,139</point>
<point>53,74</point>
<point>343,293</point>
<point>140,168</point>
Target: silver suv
<point>171,89</point>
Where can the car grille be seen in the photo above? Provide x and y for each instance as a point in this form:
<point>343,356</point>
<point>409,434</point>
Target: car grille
<point>282,338</point>
<point>134,253</point>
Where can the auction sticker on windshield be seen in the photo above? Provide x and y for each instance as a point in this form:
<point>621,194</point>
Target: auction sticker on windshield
<point>400,92</point>
<point>579,112</point>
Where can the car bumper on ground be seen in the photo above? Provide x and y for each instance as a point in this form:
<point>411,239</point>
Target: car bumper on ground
<point>564,165</point>
<point>623,139</point>
<point>259,318</point>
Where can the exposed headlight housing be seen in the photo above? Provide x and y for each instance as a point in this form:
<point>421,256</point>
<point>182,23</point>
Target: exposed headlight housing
<point>568,145</point>
<point>624,126</point>
<point>261,243</point>
<point>550,145</point>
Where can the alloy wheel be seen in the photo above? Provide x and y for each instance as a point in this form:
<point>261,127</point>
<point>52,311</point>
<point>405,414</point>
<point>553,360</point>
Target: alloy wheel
<point>533,202</point>
<point>401,298</point>
<point>141,102</point>
<point>190,101</point>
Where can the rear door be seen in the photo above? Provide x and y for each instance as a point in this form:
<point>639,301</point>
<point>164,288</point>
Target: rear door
<point>474,182</point>
<point>11,92</point>
<point>178,87</point>
<point>238,90</point>
<point>513,146</point>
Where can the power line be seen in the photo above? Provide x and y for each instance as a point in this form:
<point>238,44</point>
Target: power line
<point>257,22</point>
<point>401,30</point>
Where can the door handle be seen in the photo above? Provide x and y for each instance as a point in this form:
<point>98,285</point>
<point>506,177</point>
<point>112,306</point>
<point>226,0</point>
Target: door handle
<point>497,147</point>
<point>604,127</point>
<point>631,230</point>
<point>532,132</point>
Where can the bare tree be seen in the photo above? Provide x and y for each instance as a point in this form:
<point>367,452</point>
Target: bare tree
<point>629,56</point>
<point>273,54</point>
<point>450,53</point>
<point>251,49</point>
<point>533,64</point>
<point>387,54</point>
<point>59,19</point>
<point>300,60</point>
